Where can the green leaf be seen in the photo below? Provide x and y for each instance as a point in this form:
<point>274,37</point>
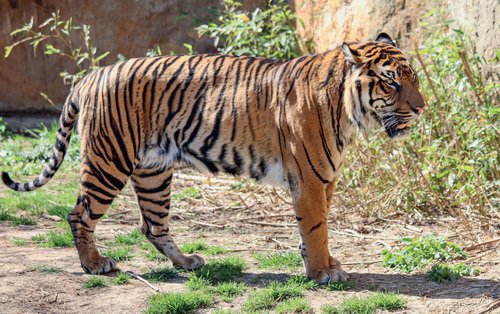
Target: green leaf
<point>8,49</point>
<point>102,56</point>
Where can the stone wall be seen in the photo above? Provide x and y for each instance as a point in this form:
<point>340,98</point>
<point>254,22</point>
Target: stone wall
<point>332,22</point>
<point>129,27</point>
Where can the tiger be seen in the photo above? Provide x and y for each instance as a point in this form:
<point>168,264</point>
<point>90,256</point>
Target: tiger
<point>287,123</point>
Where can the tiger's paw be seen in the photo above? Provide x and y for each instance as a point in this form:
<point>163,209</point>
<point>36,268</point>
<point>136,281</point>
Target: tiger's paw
<point>334,273</point>
<point>191,262</point>
<point>101,266</point>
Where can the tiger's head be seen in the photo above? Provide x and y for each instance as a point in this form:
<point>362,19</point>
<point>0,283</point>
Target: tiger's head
<point>381,87</point>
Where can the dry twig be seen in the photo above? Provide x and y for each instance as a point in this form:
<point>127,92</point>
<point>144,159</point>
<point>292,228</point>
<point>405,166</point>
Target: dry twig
<point>142,279</point>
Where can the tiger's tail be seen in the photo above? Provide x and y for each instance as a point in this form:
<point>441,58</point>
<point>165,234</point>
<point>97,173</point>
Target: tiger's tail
<point>66,125</point>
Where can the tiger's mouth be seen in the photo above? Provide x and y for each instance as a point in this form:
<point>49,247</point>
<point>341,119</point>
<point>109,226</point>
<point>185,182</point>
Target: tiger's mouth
<point>399,130</point>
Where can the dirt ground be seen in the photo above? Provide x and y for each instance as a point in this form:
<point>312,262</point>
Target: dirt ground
<point>236,220</point>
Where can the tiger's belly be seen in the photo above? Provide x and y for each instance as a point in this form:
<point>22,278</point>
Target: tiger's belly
<point>244,162</point>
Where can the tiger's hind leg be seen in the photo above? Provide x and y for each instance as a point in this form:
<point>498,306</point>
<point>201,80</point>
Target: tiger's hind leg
<point>152,187</point>
<point>98,188</point>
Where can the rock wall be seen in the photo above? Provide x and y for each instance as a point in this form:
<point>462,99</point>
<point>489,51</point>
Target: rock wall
<point>330,23</point>
<point>129,27</point>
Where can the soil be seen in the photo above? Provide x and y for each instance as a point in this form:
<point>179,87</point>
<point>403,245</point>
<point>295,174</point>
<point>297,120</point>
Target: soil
<point>232,218</point>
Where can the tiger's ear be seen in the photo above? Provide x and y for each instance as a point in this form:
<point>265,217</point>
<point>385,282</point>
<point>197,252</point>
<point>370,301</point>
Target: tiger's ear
<point>351,55</point>
<point>386,39</point>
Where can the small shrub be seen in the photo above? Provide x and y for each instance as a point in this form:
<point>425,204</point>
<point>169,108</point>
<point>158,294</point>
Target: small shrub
<point>445,272</point>
<point>178,303</point>
<point>420,252</point>
<point>95,282</point>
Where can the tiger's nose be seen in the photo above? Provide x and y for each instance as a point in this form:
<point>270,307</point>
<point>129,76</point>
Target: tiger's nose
<point>419,109</point>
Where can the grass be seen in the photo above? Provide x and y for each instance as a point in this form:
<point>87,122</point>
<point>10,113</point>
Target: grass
<point>161,274</point>
<point>269,296</point>
<point>17,220</point>
<point>95,282</point>
<point>18,242</point>
<point>46,269</point>
<point>229,290</point>
<point>280,260</point>
<point>130,238</point>
<point>121,278</point>
<point>152,252</point>
<point>119,254</point>
<point>201,246</point>
<point>294,305</point>
<point>178,303</point>
<point>188,193</point>
<point>340,286</point>
<point>369,304</point>
<point>221,270</point>
<point>55,238</point>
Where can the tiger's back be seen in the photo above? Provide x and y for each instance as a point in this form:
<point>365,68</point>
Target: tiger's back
<point>287,123</point>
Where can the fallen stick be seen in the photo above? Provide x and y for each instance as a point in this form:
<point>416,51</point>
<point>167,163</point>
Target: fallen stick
<point>271,224</point>
<point>363,236</point>
<point>142,279</point>
<point>490,307</point>
<point>475,246</point>
<point>207,224</point>
<point>362,263</point>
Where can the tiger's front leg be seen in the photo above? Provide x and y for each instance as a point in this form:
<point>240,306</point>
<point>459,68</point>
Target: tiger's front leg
<point>310,202</point>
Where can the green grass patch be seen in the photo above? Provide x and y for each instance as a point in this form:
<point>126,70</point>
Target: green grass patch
<point>223,269</point>
<point>229,290</point>
<point>17,220</point>
<point>121,278</point>
<point>152,253</point>
<point>46,269</point>
<point>418,253</point>
<point>119,254</point>
<point>201,246</point>
<point>95,282</point>
<point>161,274</point>
<point>281,260</point>
<point>370,304</point>
<point>133,237</point>
<point>18,242</point>
<point>55,238</point>
<point>268,297</point>
<point>294,305</point>
<point>178,303</point>
<point>445,272</point>
<point>340,286</point>
<point>303,282</point>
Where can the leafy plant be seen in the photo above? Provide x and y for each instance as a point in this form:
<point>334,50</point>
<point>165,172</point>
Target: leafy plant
<point>445,272</point>
<point>420,252</point>
<point>58,40</point>
<point>265,33</point>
